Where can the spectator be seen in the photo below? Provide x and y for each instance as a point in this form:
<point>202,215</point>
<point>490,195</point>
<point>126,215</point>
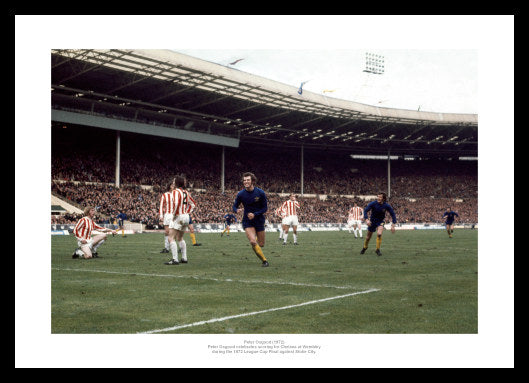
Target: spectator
<point>420,190</point>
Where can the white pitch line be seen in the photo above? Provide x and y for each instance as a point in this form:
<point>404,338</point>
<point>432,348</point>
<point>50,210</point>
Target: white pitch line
<point>255,312</point>
<point>204,278</point>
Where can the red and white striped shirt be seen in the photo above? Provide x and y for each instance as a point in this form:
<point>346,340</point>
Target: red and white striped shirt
<point>280,212</point>
<point>166,204</point>
<point>356,213</point>
<point>290,207</point>
<point>83,228</point>
<point>184,203</point>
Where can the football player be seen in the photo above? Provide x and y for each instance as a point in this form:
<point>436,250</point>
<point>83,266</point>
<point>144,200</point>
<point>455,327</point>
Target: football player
<point>253,222</point>
<point>375,223</point>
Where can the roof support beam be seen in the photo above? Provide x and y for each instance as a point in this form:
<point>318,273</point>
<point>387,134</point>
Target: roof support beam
<point>92,67</point>
<point>306,122</point>
<point>136,127</point>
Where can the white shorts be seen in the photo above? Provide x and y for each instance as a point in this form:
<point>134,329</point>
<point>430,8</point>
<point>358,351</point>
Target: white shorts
<point>167,218</point>
<point>291,220</point>
<point>353,222</point>
<point>180,222</point>
<point>88,243</point>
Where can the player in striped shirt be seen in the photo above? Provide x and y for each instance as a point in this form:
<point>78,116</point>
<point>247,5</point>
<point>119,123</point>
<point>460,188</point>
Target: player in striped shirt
<point>88,245</point>
<point>354,220</point>
<point>166,213</point>
<point>184,205</point>
<point>290,208</point>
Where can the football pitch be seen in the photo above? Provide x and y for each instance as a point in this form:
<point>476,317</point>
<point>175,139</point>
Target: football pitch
<point>424,283</point>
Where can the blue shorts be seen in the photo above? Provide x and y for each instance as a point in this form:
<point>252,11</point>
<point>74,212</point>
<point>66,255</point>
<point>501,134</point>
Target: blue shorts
<point>190,220</point>
<point>374,225</point>
<point>257,223</point>
<point>449,222</point>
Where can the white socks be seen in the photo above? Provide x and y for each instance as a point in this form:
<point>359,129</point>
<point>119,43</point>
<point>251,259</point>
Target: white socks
<point>285,237</point>
<point>97,245</point>
<point>174,250</point>
<point>166,242</point>
<point>183,249</point>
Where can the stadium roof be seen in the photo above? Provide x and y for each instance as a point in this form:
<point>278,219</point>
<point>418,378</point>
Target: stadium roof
<point>169,89</point>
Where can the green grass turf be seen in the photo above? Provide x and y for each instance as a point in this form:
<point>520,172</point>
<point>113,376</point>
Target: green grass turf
<point>426,283</point>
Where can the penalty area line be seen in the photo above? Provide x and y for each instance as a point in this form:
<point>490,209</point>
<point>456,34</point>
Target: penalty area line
<point>256,312</point>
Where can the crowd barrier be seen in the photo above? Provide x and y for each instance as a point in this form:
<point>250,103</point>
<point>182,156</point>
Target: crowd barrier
<point>66,229</point>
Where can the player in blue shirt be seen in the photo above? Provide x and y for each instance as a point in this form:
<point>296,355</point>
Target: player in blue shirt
<point>450,217</point>
<point>192,232</point>
<point>253,222</point>
<point>228,220</point>
<point>378,210</point>
<point>121,218</point>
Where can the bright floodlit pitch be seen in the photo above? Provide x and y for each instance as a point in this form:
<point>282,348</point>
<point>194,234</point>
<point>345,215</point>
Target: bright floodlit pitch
<point>424,283</point>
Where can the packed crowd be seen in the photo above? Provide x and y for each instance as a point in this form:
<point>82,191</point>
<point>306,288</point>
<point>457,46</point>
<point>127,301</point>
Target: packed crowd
<point>142,205</point>
<point>420,190</point>
<point>151,161</point>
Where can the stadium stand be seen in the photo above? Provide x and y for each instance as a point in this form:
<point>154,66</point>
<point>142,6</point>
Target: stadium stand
<point>85,175</point>
<point>173,114</point>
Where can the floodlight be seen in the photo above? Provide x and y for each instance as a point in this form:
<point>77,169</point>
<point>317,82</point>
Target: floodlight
<point>374,63</point>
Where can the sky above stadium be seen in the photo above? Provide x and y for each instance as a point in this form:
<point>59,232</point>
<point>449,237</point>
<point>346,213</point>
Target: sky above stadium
<point>434,80</point>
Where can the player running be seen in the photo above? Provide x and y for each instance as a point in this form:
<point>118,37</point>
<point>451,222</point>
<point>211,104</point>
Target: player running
<point>450,217</point>
<point>378,210</point>
<point>228,220</point>
<point>253,222</point>
<point>192,232</point>
<point>121,223</point>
